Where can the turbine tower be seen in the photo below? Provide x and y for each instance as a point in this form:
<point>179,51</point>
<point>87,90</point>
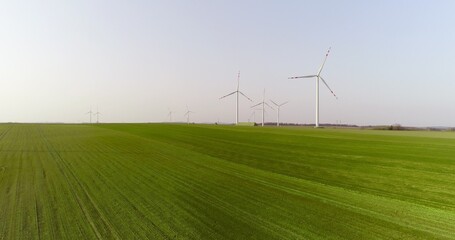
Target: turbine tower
<point>318,76</point>
<point>278,106</point>
<point>263,103</point>
<point>90,113</point>
<point>237,99</point>
<point>187,114</point>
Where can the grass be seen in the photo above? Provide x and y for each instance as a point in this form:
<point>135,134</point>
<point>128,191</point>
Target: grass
<point>157,181</point>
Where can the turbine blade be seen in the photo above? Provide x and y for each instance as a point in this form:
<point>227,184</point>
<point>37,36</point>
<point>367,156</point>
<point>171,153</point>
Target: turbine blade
<point>308,76</point>
<point>328,87</point>
<point>256,105</point>
<point>269,106</point>
<point>245,96</point>
<point>284,103</point>
<point>228,95</point>
<point>325,59</point>
<point>274,102</point>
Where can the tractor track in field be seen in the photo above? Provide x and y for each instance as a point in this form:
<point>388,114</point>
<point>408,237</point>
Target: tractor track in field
<point>2,134</point>
<point>221,204</point>
<point>37,217</point>
<point>17,196</point>
<point>2,171</point>
<point>149,185</point>
<point>55,154</point>
<point>143,216</point>
<point>72,189</point>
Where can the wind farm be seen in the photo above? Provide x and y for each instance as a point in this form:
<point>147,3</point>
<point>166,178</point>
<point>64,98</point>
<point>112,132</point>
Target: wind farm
<point>180,180</point>
<point>206,120</point>
<point>158,174</point>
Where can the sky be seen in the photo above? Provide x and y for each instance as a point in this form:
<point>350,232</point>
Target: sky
<point>391,61</point>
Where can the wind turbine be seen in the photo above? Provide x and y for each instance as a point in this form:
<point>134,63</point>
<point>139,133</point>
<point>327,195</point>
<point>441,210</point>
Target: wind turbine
<point>170,115</point>
<point>278,106</point>
<point>263,103</point>
<point>253,114</point>
<point>97,114</point>
<point>90,112</point>
<point>318,76</point>
<point>187,114</point>
<point>237,97</point>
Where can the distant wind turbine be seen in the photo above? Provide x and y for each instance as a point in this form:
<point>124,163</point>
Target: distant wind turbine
<point>318,76</point>
<point>97,114</point>
<point>253,114</point>
<point>187,114</point>
<point>170,115</point>
<point>90,113</point>
<point>263,103</point>
<point>278,106</point>
<point>237,97</point>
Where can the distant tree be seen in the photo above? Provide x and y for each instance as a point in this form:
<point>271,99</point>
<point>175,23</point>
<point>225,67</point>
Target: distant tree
<point>396,126</point>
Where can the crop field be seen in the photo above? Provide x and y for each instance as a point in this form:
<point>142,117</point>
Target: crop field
<point>158,181</point>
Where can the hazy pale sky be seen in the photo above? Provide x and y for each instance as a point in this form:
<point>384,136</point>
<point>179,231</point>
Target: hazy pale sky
<point>391,61</point>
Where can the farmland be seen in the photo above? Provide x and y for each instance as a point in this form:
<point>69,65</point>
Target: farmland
<point>158,181</point>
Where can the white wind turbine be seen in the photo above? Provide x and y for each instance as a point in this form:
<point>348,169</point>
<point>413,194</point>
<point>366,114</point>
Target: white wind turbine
<point>278,106</point>
<point>318,76</point>
<point>263,103</point>
<point>97,114</point>
<point>237,92</point>
<point>90,113</point>
<point>253,114</point>
<point>187,114</point>
<point>170,114</point>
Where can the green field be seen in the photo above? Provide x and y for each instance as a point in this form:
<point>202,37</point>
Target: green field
<point>156,181</point>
